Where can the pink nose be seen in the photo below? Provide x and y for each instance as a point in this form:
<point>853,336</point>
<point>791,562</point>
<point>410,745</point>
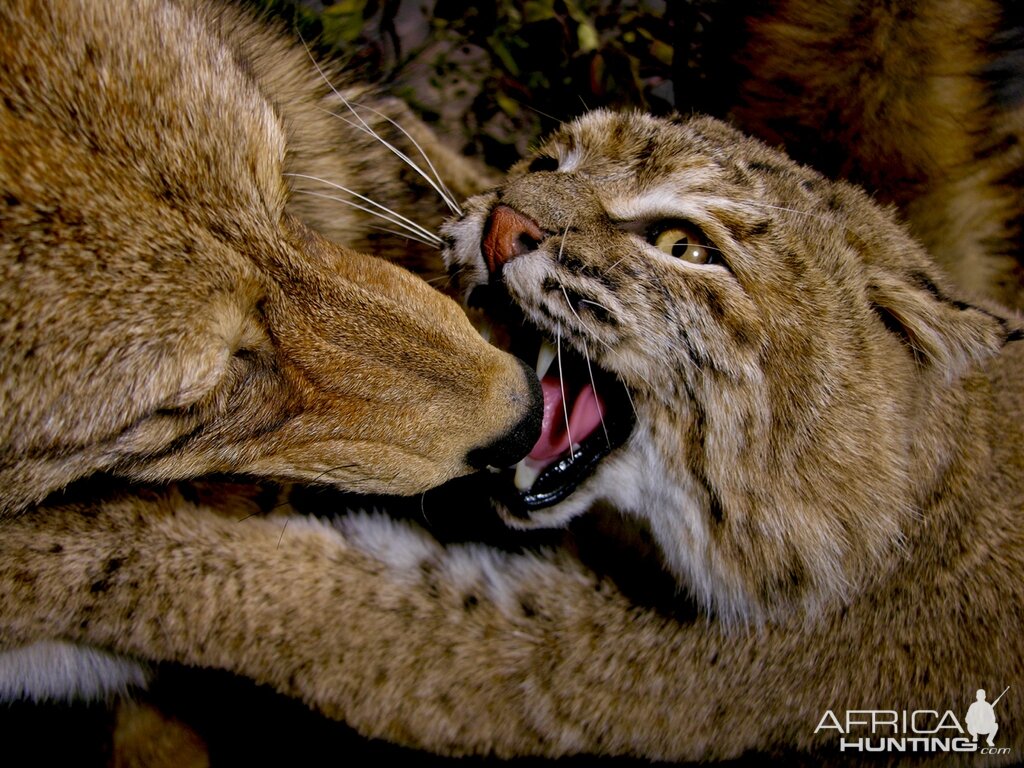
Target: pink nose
<point>508,234</point>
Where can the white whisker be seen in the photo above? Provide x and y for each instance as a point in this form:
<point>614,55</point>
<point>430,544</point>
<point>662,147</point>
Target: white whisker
<point>827,219</point>
<point>593,387</point>
<point>370,211</point>
<point>561,384</point>
<point>615,264</point>
<point>758,203</point>
<point>408,223</point>
<point>565,293</point>
<point>365,128</point>
<point>631,403</point>
<point>595,304</point>
<point>445,193</point>
<point>423,508</point>
<point>571,307</point>
<point>406,235</point>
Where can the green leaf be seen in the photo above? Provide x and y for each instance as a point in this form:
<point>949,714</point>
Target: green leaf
<point>662,52</point>
<point>498,49</point>
<point>343,21</point>
<point>587,36</point>
<point>508,105</point>
<point>538,10</point>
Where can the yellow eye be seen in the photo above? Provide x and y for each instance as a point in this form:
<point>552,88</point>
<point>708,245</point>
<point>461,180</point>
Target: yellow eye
<point>686,243</point>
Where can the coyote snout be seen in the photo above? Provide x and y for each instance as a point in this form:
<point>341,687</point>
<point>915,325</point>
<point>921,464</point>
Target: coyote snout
<point>307,361</point>
<point>162,312</point>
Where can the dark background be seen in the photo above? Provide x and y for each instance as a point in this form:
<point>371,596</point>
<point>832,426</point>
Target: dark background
<point>493,77</point>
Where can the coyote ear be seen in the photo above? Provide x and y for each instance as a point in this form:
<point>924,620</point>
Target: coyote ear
<point>944,334</point>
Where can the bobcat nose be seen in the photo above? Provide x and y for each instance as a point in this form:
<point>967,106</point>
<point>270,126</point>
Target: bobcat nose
<point>507,234</point>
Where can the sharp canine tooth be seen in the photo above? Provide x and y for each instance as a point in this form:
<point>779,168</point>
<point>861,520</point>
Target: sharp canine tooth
<point>526,475</point>
<point>545,356</point>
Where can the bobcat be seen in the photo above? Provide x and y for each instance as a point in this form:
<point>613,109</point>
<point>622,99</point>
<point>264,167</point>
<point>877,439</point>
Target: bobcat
<point>821,437</point>
<point>170,306</point>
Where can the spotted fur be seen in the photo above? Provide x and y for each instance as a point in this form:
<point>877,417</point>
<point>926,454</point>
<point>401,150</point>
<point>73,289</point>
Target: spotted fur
<point>778,395</point>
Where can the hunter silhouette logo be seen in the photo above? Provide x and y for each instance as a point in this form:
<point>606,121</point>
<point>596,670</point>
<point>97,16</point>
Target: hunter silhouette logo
<point>981,717</point>
<point>918,730</point>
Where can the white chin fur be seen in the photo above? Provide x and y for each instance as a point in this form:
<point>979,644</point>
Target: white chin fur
<point>54,671</point>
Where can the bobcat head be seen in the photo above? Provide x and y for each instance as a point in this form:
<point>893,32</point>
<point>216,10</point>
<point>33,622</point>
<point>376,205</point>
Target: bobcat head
<point>733,348</point>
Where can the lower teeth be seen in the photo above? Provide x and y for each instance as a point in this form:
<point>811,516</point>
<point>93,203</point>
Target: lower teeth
<point>527,471</point>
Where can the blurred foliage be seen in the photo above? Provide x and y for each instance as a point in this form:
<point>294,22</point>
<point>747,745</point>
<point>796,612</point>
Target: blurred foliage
<point>494,77</point>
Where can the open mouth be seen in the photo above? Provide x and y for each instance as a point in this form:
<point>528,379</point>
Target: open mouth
<point>587,415</point>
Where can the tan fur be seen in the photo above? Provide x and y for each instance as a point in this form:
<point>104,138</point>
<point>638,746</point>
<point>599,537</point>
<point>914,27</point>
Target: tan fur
<point>858,424</point>
<point>828,456</point>
<point>169,306</point>
<point>145,738</point>
<point>164,315</point>
<point>899,98</point>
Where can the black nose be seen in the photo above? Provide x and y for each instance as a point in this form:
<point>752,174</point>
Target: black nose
<point>518,441</point>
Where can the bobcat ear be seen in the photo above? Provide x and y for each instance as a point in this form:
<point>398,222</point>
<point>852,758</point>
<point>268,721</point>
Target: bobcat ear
<point>944,334</point>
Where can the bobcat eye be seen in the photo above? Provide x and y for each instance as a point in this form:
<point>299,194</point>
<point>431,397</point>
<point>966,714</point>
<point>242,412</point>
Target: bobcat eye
<point>542,163</point>
<point>684,241</point>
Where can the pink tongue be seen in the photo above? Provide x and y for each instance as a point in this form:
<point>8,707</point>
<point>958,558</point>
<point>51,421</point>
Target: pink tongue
<point>584,417</point>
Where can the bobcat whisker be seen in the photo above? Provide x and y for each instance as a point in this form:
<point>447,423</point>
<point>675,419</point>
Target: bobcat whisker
<point>416,229</point>
<point>365,127</point>
<point>407,235</point>
<point>594,303</point>
<point>631,403</point>
<point>593,387</point>
<point>423,507</point>
<point>326,472</point>
<point>561,384</point>
<point>586,327</point>
<point>810,214</point>
<point>391,482</point>
<point>615,264</point>
<point>445,193</point>
<point>452,275</point>
<point>565,293</point>
<point>586,348</point>
<point>572,308</point>
<point>539,112</point>
<point>283,529</point>
<point>364,209</point>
